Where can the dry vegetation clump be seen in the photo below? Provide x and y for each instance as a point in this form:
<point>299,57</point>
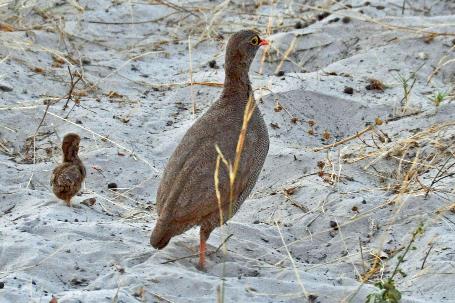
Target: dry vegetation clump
<point>420,164</point>
<point>375,84</point>
<point>416,164</point>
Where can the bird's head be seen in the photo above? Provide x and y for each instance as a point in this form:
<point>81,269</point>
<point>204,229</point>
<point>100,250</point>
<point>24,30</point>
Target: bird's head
<point>242,47</point>
<point>70,146</point>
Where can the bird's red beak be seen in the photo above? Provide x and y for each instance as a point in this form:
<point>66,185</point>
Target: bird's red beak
<point>263,42</point>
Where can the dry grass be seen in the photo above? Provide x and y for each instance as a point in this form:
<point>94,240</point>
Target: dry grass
<point>232,169</point>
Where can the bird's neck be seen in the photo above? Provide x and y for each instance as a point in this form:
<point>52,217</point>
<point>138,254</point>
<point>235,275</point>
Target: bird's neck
<point>71,157</point>
<point>237,82</point>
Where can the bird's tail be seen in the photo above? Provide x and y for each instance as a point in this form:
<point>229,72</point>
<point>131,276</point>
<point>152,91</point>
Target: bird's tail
<point>160,236</point>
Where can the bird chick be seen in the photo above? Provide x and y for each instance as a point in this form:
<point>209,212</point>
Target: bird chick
<point>67,177</point>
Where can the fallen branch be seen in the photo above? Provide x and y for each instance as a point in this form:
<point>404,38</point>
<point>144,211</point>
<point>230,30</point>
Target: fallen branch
<point>426,256</point>
<point>72,86</point>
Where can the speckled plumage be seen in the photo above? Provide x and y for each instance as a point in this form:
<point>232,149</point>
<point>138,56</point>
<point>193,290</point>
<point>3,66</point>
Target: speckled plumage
<point>186,195</point>
<point>67,177</point>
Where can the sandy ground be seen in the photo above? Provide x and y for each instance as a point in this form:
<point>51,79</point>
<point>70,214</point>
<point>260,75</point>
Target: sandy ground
<point>320,225</point>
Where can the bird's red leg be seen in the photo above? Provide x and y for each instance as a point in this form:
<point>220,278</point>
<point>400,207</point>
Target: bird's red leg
<point>202,248</point>
<point>68,202</point>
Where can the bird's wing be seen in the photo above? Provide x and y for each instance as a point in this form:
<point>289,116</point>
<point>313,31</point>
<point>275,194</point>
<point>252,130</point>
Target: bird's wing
<point>198,198</point>
<point>67,177</point>
<point>187,189</point>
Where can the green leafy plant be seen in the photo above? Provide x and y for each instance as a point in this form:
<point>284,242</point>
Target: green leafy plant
<point>388,292</point>
<point>438,98</point>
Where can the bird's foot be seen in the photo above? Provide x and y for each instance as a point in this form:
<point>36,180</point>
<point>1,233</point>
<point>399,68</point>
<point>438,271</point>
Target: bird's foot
<point>201,267</point>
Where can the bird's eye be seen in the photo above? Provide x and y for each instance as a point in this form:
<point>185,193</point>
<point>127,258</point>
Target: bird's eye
<point>255,40</point>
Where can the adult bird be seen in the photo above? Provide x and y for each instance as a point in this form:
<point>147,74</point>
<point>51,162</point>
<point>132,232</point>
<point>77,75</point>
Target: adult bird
<point>67,177</point>
<point>186,195</point>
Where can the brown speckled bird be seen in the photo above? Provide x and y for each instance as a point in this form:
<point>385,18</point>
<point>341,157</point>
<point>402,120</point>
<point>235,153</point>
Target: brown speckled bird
<point>186,195</point>
<point>67,177</point>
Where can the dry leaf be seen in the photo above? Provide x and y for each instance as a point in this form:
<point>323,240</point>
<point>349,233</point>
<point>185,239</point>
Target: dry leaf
<point>290,191</point>
<point>122,118</point>
<point>278,107</point>
<point>326,135</point>
<point>140,293</point>
<point>429,38</point>
<point>4,27</point>
<point>321,164</point>
<point>80,93</point>
<point>57,61</point>
<point>274,125</point>
<point>327,178</point>
<point>114,95</point>
<point>452,208</point>
<point>375,85</point>
<point>39,70</point>
<point>89,201</point>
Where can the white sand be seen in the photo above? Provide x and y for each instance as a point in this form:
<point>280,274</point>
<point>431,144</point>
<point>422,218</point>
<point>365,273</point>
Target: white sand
<point>102,253</point>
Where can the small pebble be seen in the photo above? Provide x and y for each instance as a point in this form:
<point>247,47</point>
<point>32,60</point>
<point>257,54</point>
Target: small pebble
<point>86,61</point>
<point>422,56</point>
<point>346,19</point>
<point>298,25</point>
<point>5,87</point>
<point>212,64</point>
<point>323,15</point>
<point>112,185</point>
<point>348,90</point>
<point>280,73</point>
<point>333,225</point>
<point>2,285</point>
